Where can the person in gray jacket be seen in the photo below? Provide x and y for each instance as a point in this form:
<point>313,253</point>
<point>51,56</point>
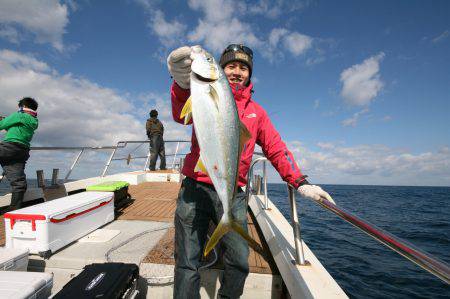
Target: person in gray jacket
<point>155,132</point>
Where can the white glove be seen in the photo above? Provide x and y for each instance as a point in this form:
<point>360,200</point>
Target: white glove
<point>314,192</point>
<point>179,65</point>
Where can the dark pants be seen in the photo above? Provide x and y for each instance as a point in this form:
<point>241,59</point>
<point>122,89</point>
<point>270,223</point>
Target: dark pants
<point>13,157</point>
<point>157,149</point>
<point>197,204</point>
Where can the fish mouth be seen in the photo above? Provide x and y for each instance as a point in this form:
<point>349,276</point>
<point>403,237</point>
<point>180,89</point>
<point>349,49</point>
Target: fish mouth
<point>203,79</point>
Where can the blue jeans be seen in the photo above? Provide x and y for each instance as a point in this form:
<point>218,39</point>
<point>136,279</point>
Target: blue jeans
<point>197,204</point>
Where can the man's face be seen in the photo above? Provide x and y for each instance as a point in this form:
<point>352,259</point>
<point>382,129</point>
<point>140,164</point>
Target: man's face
<point>237,72</point>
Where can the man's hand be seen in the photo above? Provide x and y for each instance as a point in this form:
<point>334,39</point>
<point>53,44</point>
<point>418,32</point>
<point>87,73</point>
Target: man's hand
<point>314,192</point>
<point>179,65</point>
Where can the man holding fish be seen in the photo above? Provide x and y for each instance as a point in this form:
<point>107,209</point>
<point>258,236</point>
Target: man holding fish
<point>227,125</point>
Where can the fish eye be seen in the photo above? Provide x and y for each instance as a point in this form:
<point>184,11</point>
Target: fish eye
<point>209,59</point>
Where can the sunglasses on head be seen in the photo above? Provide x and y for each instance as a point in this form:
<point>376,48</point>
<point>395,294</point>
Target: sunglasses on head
<point>239,47</point>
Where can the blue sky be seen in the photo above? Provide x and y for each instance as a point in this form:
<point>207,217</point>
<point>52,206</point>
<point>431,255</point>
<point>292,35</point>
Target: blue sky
<point>359,90</point>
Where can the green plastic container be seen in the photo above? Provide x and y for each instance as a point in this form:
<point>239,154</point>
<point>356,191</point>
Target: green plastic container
<point>108,186</point>
<point>120,189</point>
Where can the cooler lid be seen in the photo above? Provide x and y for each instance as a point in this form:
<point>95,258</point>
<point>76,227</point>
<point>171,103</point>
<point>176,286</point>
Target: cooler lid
<point>108,186</point>
<point>17,284</point>
<point>11,254</point>
<point>69,204</point>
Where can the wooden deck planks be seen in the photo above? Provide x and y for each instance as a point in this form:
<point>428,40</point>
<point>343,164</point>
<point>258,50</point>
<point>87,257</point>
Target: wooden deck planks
<point>156,201</point>
<point>2,231</point>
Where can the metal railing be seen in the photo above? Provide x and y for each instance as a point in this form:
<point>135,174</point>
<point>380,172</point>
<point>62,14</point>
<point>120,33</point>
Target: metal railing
<point>421,258</point>
<point>119,145</point>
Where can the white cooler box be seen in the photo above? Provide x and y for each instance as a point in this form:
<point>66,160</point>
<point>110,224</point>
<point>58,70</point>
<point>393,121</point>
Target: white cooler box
<point>29,285</point>
<point>13,259</point>
<point>49,226</point>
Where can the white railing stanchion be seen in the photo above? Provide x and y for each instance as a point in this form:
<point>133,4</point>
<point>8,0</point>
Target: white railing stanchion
<point>147,161</point>
<point>299,254</point>
<point>109,162</point>
<point>266,198</point>
<point>73,165</point>
<point>175,155</point>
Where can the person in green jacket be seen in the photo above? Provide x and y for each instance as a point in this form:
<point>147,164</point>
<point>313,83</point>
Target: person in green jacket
<point>15,147</point>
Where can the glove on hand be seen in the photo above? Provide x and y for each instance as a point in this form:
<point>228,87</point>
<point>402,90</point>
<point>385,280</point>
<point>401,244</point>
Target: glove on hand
<point>179,65</point>
<point>314,192</point>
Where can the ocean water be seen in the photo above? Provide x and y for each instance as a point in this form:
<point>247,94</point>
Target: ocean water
<point>362,266</point>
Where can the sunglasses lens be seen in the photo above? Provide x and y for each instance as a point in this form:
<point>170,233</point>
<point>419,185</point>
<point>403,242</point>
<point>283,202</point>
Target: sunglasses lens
<point>236,47</point>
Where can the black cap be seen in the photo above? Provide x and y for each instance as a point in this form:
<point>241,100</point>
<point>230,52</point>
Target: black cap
<point>241,56</point>
<point>153,113</point>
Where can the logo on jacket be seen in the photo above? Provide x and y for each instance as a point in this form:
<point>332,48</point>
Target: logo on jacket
<point>251,115</point>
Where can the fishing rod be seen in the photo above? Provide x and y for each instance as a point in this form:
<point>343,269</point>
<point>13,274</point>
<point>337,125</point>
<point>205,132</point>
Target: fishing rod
<point>419,257</point>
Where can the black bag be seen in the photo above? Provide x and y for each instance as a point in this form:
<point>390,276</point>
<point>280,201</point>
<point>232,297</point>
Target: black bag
<point>108,280</point>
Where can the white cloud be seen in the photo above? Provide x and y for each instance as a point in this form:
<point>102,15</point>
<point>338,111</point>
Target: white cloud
<point>372,164</point>
<point>362,82</point>
<point>316,104</point>
<point>443,36</point>
<point>10,34</point>
<point>354,119</point>
<point>294,42</point>
<point>274,9</point>
<point>45,19</point>
<point>72,111</point>
<point>77,112</point>
<point>215,36</point>
<point>221,23</point>
<point>169,33</point>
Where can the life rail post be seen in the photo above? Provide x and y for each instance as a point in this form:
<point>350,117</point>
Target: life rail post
<point>250,175</point>
<point>299,254</point>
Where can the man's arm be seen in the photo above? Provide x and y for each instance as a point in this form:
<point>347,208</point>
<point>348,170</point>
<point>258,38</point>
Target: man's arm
<point>9,121</point>
<point>282,159</point>
<point>147,128</point>
<point>276,151</point>
<point>179,97</point>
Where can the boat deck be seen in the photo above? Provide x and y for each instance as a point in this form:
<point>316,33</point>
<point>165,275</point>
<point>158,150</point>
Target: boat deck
<point>156,201</point>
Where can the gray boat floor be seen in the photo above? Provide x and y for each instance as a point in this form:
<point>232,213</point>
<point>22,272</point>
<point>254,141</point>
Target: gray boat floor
<point>146,238</point>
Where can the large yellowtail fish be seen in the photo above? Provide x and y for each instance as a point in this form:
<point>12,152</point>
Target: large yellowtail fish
<point>220,135</point>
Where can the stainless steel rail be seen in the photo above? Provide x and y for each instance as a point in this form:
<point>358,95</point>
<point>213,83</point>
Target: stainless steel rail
<point>122,144</point>
<point>409,251</point>
<point>250,176</point>
<point>299,254</point>
<point>421,258</point>
<point>119,145</point>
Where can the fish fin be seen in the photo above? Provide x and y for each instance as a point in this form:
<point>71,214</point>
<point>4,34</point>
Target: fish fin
<point>251,242</point>
<point>186,112</point>
<point>200,166</point>
<point>218,233</point>
<point>245,136</point>
<point>214,95</point>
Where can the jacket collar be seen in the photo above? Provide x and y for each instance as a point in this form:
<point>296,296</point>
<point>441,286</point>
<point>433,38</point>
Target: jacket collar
<point>28,111</point>
<point>242,94</point>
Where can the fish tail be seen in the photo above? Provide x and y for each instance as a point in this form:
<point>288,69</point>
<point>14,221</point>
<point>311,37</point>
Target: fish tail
<point>221,229</point>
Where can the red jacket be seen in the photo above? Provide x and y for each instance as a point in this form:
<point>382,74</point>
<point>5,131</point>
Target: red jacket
<point>263,134</point>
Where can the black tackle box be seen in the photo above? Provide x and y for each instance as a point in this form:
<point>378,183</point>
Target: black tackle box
<point>108,280</point>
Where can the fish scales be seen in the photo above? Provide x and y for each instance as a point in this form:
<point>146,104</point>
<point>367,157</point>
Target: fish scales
<point>220,136</point>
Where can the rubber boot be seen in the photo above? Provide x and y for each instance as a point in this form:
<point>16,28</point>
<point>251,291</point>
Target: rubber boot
<point>16,200</point>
